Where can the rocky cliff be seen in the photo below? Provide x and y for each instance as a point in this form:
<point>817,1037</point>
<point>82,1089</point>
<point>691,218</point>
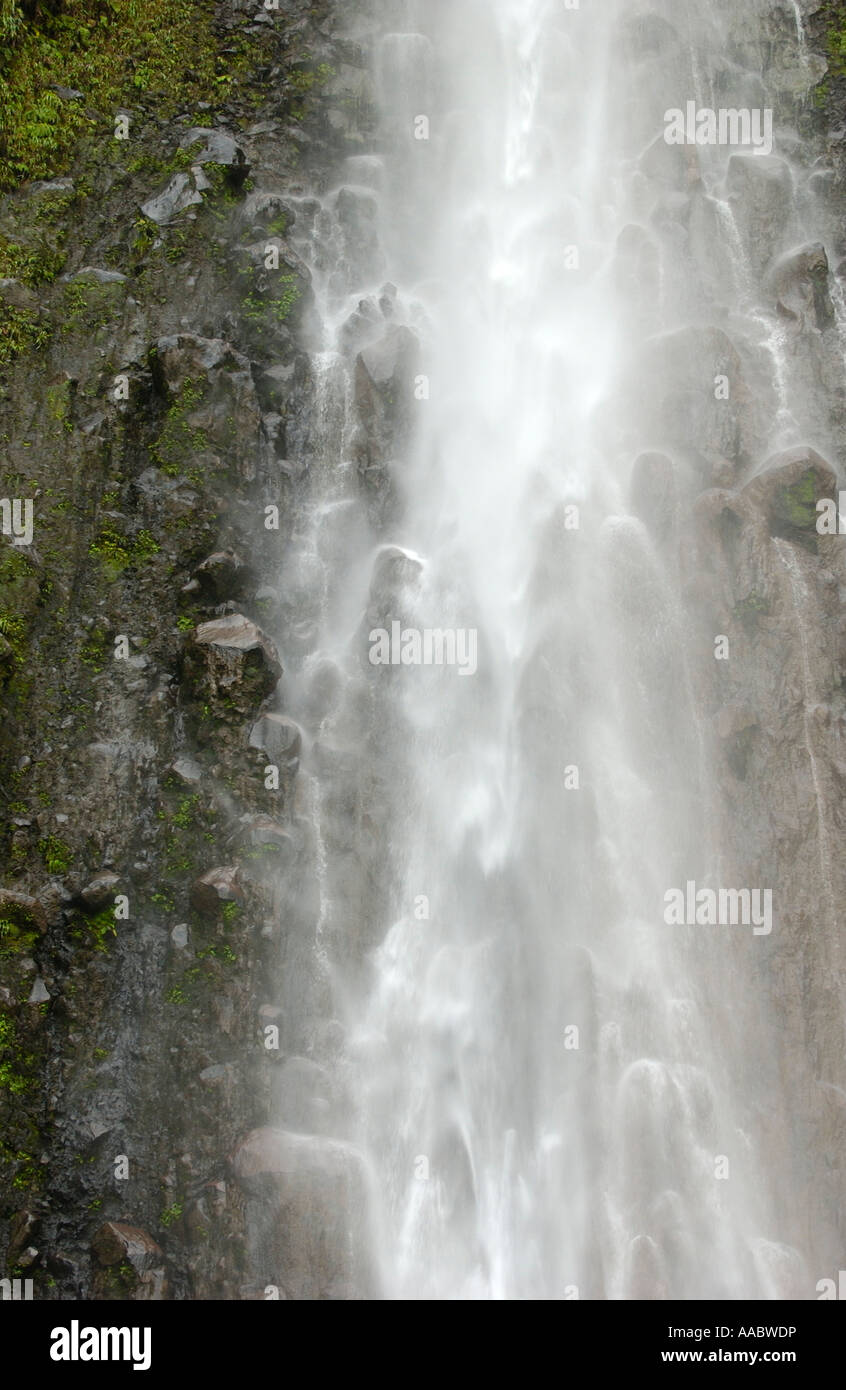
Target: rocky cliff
<point>158,993</point>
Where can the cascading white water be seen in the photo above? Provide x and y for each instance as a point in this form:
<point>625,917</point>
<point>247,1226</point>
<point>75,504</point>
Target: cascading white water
<point>554,1089</point>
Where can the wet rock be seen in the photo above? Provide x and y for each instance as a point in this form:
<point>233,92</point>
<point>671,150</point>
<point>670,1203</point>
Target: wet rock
<point>653,493</point>
<point>279,737</point>
<point>760,191</point>
<point>799,282</point>
<point>185,190</point>
<point>231,659</point>
<point>219,147</point>
<point>22,1226</point>
<point>210,390</point>
<point>308,1212</point>
<point>18,296</point>
<point>25,912</point>
<point>100,891</point>
<point>263,832</point>
<point>384,393</point>
<point>357,210</point>
<point>218,886</point>
<point>115,1243</point>
<point>217,1074</point>
<point>98,275</point>
<point>671,391</point>
<point>302,1095</point>
<point>187,770</point>
<point>786,491</point>
<point>224,575</point>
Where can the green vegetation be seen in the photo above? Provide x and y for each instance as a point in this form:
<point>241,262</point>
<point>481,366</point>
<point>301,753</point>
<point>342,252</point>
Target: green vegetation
<point>223,952</point>
<point>798,504</point>
<point>57,856</point>
<point>303,81</point>
<point>750,610</point>
<point>833,14</point>
<point>98,929</point>
<point>12,1079</point>
<point>21,330</point>
<point>171,1214</point>
<point>15,940</point>
<point>32,265</point>
<point>111,51</point>
<point>28,1174</point>
<point>88,305</point>
<point>179,442</point>
<point>116,551</point>
<point>255,309</point>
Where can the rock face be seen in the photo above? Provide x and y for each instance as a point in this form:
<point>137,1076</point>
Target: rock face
<point>160,401</point>
<point>232,659</point>
<point>307,1196</point>
<point>162,368</point>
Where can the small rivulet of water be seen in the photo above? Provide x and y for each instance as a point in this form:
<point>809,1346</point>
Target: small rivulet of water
<point>506,765</point>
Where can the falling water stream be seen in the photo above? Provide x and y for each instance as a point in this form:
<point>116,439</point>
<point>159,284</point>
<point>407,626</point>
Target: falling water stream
<point>554,1090</point>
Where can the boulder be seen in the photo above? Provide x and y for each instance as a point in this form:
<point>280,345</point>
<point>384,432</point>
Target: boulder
<point>223,575</point>
<point>219,147</point>
<point>231,658</point>
<point>16,295</point>
<point>279,737</point>
<point>185,190</point>
<point>760,190</point>
<point>216,887</point>
<point>786,490</point>
<point>799,283</point>
<point>307,1204</point>
<point>115,1243</point>
<point>100,891</point>
<point>25,912</point>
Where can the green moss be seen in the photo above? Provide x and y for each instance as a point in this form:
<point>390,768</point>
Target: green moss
<point>14,1065</point>
<point>145,546</point>
<point>222,952</point>
<point>97,931</point>
<point>32,265</point>
<point>750,610</point>
<point>171,1213</point>
<point>21,331</point>
<point>57,856</point>
<point>797,505</point>
<point>833,15</point>
<point>116,551</point>
<point>179,441</point>
<point>278,306</point>
<point>88,306</point>
<point>112,51</point>
<point>15,940</point>
<point>58,404</point>
<point>93,653</point>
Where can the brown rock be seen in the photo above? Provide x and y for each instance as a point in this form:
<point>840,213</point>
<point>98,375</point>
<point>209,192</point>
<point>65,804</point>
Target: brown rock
<point>24,911</point>
<point>113,1243</point>
<point>220,885</point>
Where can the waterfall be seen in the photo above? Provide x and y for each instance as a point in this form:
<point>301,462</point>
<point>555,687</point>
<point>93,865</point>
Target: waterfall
<point>528,303</point>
